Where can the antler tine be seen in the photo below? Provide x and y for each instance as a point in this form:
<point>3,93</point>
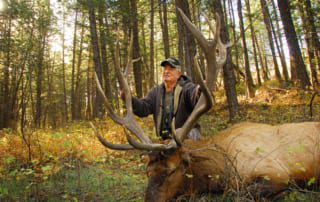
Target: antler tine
<point>109,109</point>
<point>204,103</point>
<point>129,122</point>
<point>108,144</point>
<point>150,147</point>
<point>194,30</point>
<point>215,31</point>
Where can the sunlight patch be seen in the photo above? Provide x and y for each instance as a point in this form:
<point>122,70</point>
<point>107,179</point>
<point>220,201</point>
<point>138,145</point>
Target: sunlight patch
<point>3,5</point>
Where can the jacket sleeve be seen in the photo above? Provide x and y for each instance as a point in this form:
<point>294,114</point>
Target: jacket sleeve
<point>192,94</point>
<point>143,107</point>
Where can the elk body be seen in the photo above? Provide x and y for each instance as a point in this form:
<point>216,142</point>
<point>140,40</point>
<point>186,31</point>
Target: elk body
<point>260,158</point>
<point>268,157</point>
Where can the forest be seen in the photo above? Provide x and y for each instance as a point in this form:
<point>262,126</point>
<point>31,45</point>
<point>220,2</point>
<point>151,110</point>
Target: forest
<point>51,50</point>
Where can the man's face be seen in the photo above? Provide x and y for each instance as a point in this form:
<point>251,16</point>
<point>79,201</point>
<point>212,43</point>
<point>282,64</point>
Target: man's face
<point>170,74</point>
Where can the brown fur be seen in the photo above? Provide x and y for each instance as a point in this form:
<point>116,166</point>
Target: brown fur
<point>245,154</point>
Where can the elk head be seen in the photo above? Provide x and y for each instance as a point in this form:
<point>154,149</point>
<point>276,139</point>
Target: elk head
<point>167,163</point>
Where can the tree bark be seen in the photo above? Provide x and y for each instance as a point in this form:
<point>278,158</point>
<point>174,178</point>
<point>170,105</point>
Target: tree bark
<point>253,41</point>
<point>279,46</point>
<point>236,51</point>
<point>77,95</point>
<point>312,26</point>
<point>267,22</point>
<point>4,106</point>
<point>263,65</point>
<point>65,105</point>
<point>189,44</point>
<point>104,63</point>
<point>229,79</point>
<point>97,110</point>
<point>41,49</point>
<point>249,80</point>
<point>308,39</point>
<point>73,108</point>
<point>151,80</point>
<point>136,48</point>
<point>297,65</point>
<point>164,27</point>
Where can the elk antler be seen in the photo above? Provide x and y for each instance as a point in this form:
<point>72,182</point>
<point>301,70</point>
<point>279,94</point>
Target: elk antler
<point>128,121</point>
<point>213,66</point>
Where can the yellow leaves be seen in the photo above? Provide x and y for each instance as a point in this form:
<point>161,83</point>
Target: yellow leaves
<point>311,181</point>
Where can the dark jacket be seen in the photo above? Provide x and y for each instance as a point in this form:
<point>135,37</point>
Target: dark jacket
<point>185,99</point>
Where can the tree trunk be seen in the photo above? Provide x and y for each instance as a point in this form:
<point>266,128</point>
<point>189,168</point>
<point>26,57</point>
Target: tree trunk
<point>164,27</point>
<point>279,46</point>
<point>73,106</point>
<point>151,80</point>
<point>189,44</point>
<point>297,65</point>
<point>98,110</point>
<point>312,26</point>
<point>4,106</point>
<point>263,65</point>
<point>228,73</point>
<point>77,95</point>
<point>310,50</point>
<point>136,48</point>
<point>89,107</point>
<point>267,22</point>
<point>249,80</point>
<point>41,49</point>
<point>253,41</point>
<point>65,105</point>
<point>236,51</point>
<point>104,63</point>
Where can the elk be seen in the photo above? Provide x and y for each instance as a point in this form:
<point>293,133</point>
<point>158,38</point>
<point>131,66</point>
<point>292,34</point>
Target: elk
<point>258,157</point>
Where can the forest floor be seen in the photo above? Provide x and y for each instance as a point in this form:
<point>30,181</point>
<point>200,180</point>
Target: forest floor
<point>69,164</point>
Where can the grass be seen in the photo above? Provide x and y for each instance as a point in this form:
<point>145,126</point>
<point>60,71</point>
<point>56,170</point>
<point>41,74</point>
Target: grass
<point>110,180</point>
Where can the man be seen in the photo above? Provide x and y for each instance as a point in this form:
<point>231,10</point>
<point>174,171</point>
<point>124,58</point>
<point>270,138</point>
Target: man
<point>174,98</point>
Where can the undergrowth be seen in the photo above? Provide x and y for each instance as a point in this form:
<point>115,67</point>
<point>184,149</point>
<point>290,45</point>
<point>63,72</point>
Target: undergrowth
<point>69,163</point>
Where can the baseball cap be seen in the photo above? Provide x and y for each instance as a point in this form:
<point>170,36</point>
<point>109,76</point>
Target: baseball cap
<point>172,62</point>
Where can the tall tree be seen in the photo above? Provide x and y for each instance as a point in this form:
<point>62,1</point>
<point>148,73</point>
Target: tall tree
<point>279,44</point>
<point>136,48</point>
<point>267,22</point>
<point>255,57</point>
<point>73,100</point>
<point>310,50</point>
<point>104,63</point>
<point>97,110</point>
<point>151,44</point>
<point>77,93</point>
<point>4,106</point>
<point>312,29</point>
<point>164,27</point>
<point>65,102</point>
<point>298,67</point>
<point>228,73</point>
<point>249,80</point>
<point>189,44</point>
